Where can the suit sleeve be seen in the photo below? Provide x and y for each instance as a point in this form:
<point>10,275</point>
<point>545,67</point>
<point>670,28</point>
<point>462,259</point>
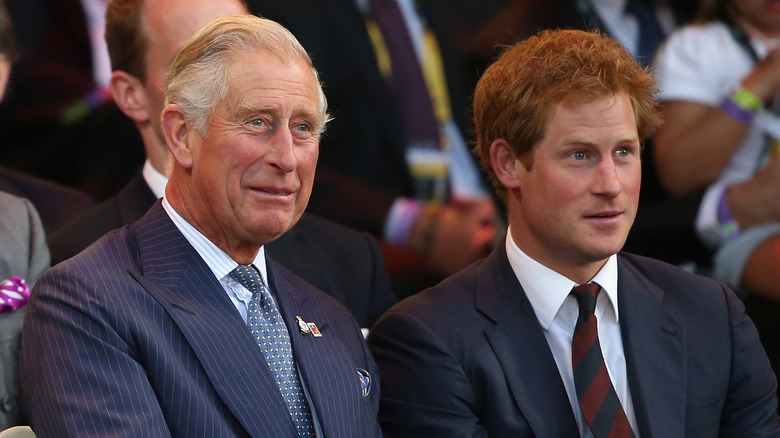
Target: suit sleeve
<point>751,404</point>
<point>424,390</point>
<point>79,373</point>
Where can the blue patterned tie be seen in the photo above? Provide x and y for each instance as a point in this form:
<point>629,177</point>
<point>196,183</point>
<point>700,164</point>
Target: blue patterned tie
<point>267,326</point>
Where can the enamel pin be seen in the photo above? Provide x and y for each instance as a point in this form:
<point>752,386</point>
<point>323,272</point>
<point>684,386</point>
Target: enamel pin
<point>314,330</point>
<point>303,326</point>
<point>308,327</point>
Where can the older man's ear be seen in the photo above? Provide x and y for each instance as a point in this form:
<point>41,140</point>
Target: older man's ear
<point>179,134</point>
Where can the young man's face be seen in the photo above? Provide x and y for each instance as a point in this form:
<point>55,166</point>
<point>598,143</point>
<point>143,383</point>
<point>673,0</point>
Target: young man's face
<point>578,200</point>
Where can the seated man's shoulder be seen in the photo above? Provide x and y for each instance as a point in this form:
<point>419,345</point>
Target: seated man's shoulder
<point>110,254</point>
<point>450,306</point>
<point>11,204</point>
<point>673,280</point>
<point>84,229</point>
<point>326,232</point>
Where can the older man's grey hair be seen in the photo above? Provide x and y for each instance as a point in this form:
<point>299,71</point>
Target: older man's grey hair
<point>198,78</point>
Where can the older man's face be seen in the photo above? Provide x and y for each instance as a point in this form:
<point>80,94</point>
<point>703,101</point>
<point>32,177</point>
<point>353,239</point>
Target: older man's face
<point>254,171</point>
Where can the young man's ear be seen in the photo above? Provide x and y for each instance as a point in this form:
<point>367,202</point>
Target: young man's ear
<point>179,135</point>
<point>130,96</point>
<point>506,165</point>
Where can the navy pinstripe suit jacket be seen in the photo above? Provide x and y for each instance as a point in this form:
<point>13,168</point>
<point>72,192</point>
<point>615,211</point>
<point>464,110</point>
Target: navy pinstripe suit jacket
<point>135,337</point>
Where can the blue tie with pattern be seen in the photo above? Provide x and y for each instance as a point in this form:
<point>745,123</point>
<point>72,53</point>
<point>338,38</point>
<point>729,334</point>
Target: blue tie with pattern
<point>267,326</point>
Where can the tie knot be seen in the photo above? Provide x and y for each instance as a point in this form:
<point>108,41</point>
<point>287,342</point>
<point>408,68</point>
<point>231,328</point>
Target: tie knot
<point>248,276</point>
<point>586,296</point>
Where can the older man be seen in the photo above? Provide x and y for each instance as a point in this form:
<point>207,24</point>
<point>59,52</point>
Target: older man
<point>179,325</point>
<point>143,38</point>
<point>557,334</point>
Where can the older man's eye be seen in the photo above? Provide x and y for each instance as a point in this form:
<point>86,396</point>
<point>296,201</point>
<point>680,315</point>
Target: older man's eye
<point>257,122</point>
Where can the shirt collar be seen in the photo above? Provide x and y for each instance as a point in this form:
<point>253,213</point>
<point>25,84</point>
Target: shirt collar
<point>154,179</point>
<point>547,289</point>
<point>217,260</point>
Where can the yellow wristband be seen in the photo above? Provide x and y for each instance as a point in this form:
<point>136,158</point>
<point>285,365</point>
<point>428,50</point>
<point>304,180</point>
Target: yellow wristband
<point>746,99</point>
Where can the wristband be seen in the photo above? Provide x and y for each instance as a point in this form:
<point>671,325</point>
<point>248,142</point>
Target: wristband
<point>746,99</point>
<point>736,112</point>
<point>727,226</point>
<point>741,105</point>
<point>403,215</point>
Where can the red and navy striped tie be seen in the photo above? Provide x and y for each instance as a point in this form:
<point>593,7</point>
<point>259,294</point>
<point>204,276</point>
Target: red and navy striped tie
<point>598,399</point>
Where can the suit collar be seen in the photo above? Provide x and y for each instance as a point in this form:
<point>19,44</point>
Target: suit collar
<point>519,343</point>
<point>654,345</point>
<point>192,296</point>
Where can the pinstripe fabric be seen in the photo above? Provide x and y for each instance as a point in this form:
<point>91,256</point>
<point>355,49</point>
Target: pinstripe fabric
<point>154,347</point>
<point>267,326</point>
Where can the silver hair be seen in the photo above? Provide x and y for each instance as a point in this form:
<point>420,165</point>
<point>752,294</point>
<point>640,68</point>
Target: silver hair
<point>198,77</point>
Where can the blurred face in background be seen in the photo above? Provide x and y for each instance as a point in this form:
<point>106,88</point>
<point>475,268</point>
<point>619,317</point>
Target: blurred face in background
<point>169,24</point>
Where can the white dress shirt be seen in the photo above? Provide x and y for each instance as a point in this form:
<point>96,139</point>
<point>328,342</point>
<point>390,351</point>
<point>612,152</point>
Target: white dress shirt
<point>557,312</point>
<point>154,179</point>
<point>219,262</point>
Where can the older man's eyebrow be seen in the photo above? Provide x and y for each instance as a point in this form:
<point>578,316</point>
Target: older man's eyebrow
<point>246,110</point>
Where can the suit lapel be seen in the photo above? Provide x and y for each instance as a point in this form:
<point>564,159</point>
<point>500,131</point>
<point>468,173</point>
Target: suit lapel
<point>654,345</point>
<point>185,286</point>
<point>519,343</point>
<point>321,361</point>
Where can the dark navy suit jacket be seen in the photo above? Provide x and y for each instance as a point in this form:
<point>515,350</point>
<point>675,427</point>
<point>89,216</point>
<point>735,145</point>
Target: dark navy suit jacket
<point>468,358</point>
<point>135,337</point>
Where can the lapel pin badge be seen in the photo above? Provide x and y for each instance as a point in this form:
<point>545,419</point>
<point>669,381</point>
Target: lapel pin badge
<point>314,330</point>
<point>305,330</point>
<point>308,327</point>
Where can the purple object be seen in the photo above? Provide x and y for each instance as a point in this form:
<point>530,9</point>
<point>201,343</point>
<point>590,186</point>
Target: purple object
<point>14,294</point>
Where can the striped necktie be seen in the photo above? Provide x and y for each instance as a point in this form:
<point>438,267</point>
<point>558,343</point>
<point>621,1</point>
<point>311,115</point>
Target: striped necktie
<point>406,78</point>
<point>267,326</point>
<point>598,399</point>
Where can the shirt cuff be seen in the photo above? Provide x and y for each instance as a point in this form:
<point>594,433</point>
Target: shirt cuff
<point>401,219</point>
<point>714,223</point>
